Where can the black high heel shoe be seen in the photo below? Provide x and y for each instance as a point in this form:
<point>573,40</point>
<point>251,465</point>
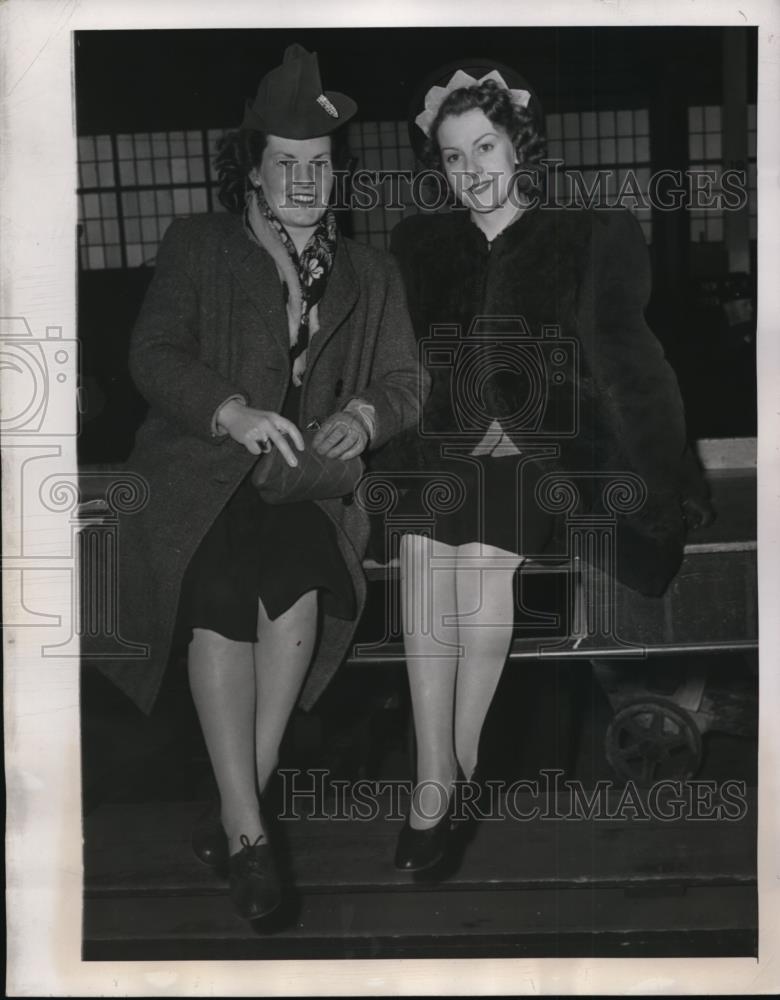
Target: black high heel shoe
<point>209,843</point>
<point>255,887</point>
<point>420,851</point>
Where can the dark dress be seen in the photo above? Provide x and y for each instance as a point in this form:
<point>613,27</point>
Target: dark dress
<point>496,499</point>
<point>478,499</point>
<point>254,551</point>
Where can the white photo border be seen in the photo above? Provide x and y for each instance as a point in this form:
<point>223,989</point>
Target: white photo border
<point>37,274</point>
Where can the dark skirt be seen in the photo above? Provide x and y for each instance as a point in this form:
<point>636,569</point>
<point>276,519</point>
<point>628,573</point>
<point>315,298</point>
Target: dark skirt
<point>255,551</point>
<point>485,499</point>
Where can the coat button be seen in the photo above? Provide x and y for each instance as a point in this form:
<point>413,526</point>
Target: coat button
<point>339,387</point>
<point>348,500</point>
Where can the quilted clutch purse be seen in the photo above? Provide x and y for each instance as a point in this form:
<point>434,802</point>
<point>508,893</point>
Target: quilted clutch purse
<point>314,478</point>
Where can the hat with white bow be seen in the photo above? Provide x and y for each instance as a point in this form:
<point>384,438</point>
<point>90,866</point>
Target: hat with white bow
<point>466,73</point>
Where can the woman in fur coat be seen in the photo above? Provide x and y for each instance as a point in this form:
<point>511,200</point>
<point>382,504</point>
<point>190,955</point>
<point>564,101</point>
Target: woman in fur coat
<point>531,324</point>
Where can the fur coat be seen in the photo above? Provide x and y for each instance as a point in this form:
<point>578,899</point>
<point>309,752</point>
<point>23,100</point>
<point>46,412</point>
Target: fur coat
<point>566,289</point>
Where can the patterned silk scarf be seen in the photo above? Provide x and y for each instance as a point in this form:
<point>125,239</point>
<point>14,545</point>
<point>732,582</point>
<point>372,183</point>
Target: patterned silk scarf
<point>304,277</point>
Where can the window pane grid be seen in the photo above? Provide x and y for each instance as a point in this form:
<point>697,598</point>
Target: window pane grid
<point>151,177</point>
<point>604,138</point>
<point>705,152</point>
<point>135,184</point>
<point>610,149</point>
<point>164,175</point>
<point>381,147</point>
<point>96,163</point>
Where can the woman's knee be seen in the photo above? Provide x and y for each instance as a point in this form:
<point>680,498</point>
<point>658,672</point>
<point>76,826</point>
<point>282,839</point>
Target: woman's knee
<point>489,557</point>
<point>218,647</point>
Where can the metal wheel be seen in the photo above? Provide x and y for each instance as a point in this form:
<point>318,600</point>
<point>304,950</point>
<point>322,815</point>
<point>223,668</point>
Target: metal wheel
<point>651,739</point>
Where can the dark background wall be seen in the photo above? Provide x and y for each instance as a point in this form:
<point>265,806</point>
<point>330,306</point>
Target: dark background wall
<point>136,80</point>
<point>148,81</point>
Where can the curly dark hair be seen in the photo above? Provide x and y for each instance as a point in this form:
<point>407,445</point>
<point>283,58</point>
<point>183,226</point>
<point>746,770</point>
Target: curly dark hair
<point>240,151</point>
<point>496,104</point>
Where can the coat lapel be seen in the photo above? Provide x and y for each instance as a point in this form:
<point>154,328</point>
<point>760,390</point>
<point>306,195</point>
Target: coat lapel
<point>256,273</point>
<point>336,304</point>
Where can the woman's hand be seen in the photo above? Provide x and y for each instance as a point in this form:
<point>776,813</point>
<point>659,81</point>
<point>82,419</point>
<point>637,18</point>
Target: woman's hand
<point>260,430</point>
<point>343,435</point>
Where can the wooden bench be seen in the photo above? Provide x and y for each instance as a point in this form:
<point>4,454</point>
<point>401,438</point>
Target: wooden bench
<point>711,605</point>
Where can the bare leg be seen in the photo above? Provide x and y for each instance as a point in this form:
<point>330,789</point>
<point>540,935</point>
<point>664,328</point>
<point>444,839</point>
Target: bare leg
<point>483,582</point>
<point>222,682</point>
<point>282,655</point>
<point>428,594</point>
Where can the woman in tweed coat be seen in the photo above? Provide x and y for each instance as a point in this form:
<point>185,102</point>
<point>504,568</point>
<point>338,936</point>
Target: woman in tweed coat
<point>258,324</point>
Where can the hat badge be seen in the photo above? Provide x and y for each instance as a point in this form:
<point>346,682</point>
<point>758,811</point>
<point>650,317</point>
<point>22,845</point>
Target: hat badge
<point>323,102</point>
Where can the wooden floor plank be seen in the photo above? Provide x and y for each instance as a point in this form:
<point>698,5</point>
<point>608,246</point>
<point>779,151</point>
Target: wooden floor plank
<point>144,849</point>
<point>736,943</point>
<point>435,912</point>
<point>476,918</point>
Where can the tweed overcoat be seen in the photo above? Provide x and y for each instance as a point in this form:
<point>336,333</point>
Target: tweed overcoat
<point>213,325</point>
<point>584,274</point>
